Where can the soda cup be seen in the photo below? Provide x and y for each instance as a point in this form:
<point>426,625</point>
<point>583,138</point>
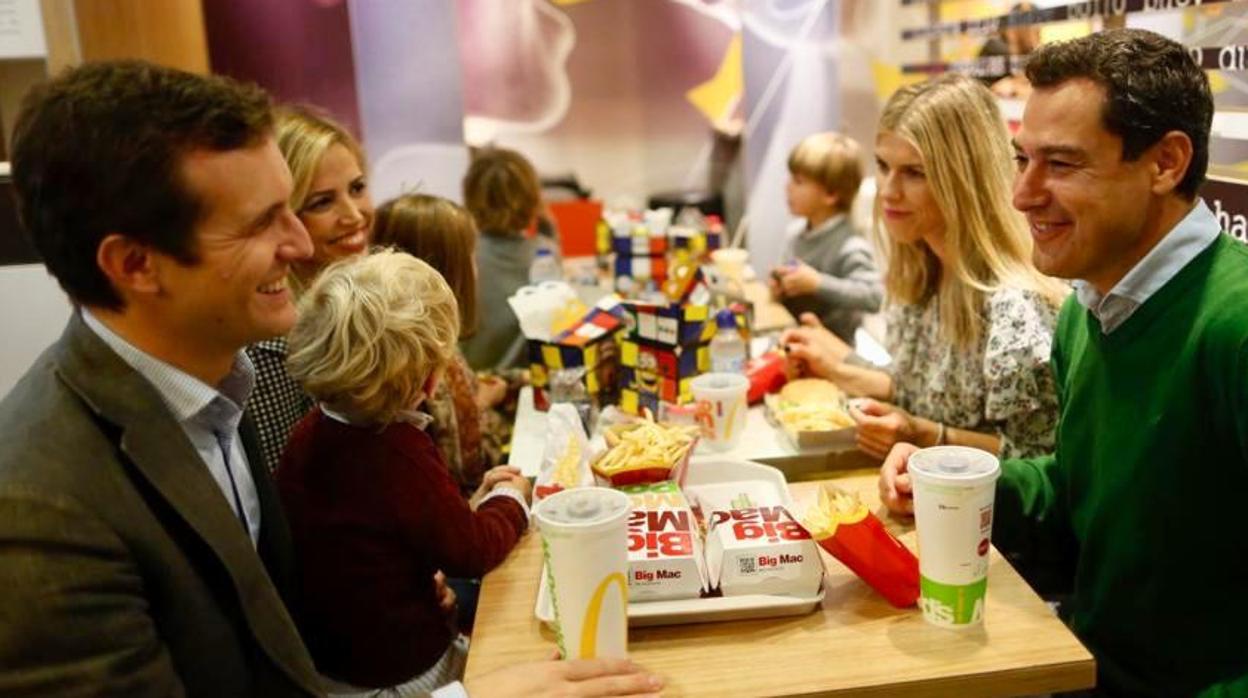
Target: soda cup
<point>585,544</point>
<point>721,408</point>
<point>954,490</point>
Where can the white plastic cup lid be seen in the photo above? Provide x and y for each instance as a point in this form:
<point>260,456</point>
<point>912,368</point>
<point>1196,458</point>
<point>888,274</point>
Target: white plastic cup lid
<point>720,383</point>
<point>954,465</point>
<point>583,507</point>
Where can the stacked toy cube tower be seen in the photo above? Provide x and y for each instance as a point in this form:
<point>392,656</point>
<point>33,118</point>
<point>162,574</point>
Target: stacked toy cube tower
<point>590,344</point>
<point>646,245</point>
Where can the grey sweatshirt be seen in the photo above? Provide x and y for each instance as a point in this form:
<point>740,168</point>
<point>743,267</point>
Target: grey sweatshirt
<point>849,281</point>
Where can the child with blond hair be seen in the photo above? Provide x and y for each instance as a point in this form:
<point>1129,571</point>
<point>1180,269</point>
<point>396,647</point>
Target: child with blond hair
<point>373,510</point>
<point>829,268</point>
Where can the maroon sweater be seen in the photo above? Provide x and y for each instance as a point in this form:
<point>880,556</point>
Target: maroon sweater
<point>373,516</point>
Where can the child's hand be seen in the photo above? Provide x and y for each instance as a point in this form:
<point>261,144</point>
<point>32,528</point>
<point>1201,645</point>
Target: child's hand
<point>491,391</point>
<point>798,279</point>
<point>446,595</point>
<point>492,477</point>
<point>522,485</point>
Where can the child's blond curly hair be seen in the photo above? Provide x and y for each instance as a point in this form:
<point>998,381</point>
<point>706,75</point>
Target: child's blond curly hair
<point>371,332</point>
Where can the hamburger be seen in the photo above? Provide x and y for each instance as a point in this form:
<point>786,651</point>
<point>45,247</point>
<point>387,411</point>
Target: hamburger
<point>812,404</point>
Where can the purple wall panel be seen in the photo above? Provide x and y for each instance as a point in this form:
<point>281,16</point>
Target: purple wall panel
<point>299,50</point>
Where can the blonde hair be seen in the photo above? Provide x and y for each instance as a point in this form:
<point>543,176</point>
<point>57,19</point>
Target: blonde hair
<point>501,191</point>
<point>954,123</point>
<point>442,233</point>
<point>834,161</point>
<point>304,133</point>
<point>371,331</point>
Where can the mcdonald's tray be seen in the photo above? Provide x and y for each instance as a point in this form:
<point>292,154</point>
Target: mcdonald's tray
<point>705,610</point>
<point>710,473</point>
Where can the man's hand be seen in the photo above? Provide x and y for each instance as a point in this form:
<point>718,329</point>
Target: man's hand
<point>814,347</point>
<point>578,677</point>
<point>881,426</point>
<point>798,279</point>
<point>896,491</point>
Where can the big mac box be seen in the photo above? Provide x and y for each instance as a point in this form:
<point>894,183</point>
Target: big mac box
<point>755,546</point>
<point>665,559</point>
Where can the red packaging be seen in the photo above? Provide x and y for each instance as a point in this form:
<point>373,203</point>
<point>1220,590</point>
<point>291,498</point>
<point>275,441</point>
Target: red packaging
<point>844,527</point>
<point>766,374</point>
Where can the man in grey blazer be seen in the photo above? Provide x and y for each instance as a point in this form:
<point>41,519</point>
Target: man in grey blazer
<point>142,548</point>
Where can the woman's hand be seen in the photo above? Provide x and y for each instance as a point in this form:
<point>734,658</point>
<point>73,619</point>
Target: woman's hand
<point>896,490</point>
<point>881,426</point>
<point>813,348</point>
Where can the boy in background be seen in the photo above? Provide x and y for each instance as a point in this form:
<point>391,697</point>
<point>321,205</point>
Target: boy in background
<point>830,270</point>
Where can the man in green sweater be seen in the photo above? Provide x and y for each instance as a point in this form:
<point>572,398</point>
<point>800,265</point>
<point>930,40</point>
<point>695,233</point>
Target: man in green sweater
<point>1135,510</point>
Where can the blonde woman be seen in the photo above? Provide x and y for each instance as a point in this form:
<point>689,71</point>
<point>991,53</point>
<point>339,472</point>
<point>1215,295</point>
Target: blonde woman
<point>970,320</point>
<point>374,513</point>
<point>330,195</point>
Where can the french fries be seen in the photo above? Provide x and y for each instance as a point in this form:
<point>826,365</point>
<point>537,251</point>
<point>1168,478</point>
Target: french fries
<point>643,452</point>
<point>818,417</point>
<point>833,508</point>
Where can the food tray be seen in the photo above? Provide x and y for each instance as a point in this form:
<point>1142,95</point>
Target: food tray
<point>708,473</point>
<point>829,439</point>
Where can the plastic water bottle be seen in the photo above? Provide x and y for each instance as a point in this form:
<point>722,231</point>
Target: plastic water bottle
<point>544,267</point>
<point>727,346</point>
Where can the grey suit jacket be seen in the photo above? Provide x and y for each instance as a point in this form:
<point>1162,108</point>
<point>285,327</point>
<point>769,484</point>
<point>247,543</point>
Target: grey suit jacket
<point>123,571</point>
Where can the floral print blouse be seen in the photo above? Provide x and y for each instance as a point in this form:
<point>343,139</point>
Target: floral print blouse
<point>1004,386</point>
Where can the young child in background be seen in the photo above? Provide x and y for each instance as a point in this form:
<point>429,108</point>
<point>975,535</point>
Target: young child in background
<point>374,513</point>
<point>468,430</point>
<point>504,196</point>
<point>829,268</point>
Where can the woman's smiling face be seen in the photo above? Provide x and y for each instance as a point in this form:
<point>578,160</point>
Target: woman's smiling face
<point>338,211</point>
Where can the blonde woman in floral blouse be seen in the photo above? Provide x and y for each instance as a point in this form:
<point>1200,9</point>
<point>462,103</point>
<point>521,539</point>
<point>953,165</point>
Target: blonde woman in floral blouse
<point>970,320</point>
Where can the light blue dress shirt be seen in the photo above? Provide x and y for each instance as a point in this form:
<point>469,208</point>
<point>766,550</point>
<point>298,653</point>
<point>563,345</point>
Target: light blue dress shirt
<point>1196,232</point>
<point>203,412</point>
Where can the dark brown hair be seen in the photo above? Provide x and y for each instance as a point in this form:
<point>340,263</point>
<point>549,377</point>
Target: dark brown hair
<point>502,191</point>
<point>97,151</point>
<point>1152,86</point>
<point>442,233</point>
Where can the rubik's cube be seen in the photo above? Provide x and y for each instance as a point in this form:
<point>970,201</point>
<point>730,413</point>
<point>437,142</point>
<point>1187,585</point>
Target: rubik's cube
<point>590,343</point>
<point>691,243</point>
<point>668,325</point>
<point>640,269</point>
<point>663,372</point>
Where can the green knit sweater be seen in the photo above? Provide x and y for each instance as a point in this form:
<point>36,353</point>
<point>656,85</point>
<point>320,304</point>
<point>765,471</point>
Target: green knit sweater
<point>1145,503</point>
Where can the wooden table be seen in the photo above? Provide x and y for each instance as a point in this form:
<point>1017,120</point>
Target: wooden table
<point>856,644</point>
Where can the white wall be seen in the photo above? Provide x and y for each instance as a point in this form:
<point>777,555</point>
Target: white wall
<point>32,314</point>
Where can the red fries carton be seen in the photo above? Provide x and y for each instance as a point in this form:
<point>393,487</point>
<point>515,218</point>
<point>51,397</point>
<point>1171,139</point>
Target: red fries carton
<point>844,527</point>
<point>665,559</point>
<point>755,546</point>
